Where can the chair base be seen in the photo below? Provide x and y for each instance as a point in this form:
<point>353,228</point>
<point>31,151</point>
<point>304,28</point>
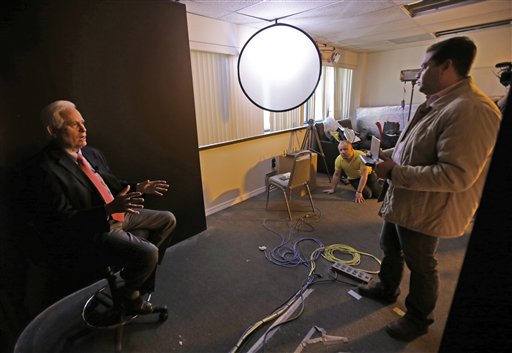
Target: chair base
<point>298,178</point>
<point>270,187</point>
<point>103,311</point>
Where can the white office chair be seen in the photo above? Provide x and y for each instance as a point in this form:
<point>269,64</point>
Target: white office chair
<point>297,178</point>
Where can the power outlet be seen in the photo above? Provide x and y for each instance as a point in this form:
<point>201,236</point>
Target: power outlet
<point>273,163</point>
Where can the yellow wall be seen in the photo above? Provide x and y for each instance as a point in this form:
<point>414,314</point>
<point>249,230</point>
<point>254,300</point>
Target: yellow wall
<point>236,172</point>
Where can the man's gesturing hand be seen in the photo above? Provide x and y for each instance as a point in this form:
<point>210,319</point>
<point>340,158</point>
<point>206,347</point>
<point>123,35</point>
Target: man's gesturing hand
<point>155,187</point>
<point>125,202</point>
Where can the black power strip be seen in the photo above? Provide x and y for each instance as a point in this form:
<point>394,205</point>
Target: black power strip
<point>352,272</point>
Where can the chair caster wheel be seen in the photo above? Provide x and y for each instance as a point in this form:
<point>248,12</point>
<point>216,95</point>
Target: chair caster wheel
<point>163,314</point>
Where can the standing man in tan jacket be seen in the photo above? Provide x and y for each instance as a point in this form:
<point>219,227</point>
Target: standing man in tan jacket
<point>436,174</point>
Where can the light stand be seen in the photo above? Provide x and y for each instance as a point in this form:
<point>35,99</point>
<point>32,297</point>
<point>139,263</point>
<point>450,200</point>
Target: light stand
<point>410,75</point>
<point>307,143</point>
<point>413,83</point>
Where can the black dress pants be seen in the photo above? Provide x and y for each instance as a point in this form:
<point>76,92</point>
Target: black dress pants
<point>137,256</point>
<point>401,245</point>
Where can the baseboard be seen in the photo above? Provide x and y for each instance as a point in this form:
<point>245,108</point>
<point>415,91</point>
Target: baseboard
<point>211,210</point>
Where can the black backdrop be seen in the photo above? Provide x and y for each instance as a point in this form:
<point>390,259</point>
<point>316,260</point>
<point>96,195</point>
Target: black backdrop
<point>126,65</point>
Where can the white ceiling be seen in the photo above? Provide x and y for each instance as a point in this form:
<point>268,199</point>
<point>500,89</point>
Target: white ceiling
<point>359,25</point>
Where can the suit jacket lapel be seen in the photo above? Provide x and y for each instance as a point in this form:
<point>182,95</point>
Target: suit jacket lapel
<point>91,158</point>
<point>70,166</point>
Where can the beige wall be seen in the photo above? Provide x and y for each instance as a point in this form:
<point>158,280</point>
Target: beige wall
<point>358,86</point>
<point>234,173</point>
<point>382,86</point>
<point>216,36</point>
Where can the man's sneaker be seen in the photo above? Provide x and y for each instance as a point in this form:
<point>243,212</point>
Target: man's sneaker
<point>374,290</point>
<point>404,329</point>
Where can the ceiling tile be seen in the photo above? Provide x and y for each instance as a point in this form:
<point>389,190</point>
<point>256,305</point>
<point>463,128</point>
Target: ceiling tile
<point>353,24</point>
<point>281,9</point>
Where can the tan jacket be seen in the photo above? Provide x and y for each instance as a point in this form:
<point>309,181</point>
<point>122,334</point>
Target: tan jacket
<point>437,187</point>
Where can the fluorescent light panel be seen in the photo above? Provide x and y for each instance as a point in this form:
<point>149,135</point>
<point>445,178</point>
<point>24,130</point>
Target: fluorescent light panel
<point>474,27</point>
<point>424,7</point>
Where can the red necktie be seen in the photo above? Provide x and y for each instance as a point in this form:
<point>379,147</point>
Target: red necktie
<point>102,188</point>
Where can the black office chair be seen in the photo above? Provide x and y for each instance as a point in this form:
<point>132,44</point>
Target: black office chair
<point>64,287</point>
<point>105,310</point>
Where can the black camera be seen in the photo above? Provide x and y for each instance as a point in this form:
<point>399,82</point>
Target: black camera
<point>505,74</point>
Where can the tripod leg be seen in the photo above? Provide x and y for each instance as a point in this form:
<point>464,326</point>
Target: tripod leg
<point>306,142</point>
<point>322,152</point>
<point>327,169</point>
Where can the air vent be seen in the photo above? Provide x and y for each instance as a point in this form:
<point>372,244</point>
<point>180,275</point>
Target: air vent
<point>412,39</point>
<point>425,7</point>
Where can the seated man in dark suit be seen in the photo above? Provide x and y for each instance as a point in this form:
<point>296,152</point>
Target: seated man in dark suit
<point>86,216</point>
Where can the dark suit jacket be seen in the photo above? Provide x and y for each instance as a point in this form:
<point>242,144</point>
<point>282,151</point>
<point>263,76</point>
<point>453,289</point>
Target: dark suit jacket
<point>63,205</point>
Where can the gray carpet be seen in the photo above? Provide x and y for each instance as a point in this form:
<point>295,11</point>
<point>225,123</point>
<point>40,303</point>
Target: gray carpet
<point>219,283</point>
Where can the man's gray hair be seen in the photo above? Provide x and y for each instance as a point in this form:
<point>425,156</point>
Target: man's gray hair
<point>51,115</point>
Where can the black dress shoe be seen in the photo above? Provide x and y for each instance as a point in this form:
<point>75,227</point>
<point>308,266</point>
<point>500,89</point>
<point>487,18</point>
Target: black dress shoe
<point>404,329</point>
<point>137,306</point>
<point>375,291</point>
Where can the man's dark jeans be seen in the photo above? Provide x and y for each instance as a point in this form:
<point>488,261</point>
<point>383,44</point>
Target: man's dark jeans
<point>418,251</point>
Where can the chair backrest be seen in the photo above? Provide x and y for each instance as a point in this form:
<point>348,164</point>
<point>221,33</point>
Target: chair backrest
<point>300,173</point>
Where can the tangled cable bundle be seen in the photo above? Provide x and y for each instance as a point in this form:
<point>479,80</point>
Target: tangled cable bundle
<point>328,254</point>
<point>288,254</point>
